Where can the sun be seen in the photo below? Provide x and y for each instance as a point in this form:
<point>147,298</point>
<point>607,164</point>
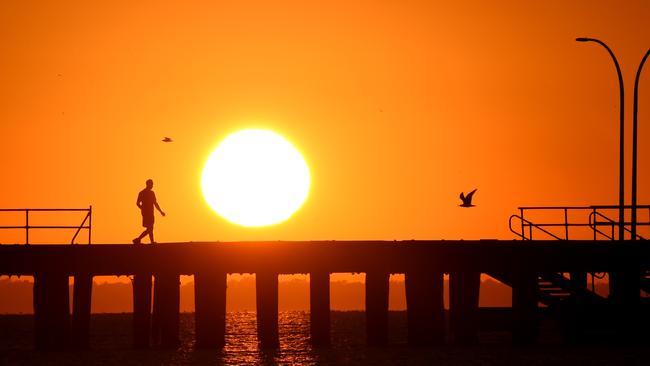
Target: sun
<point>255,177</point>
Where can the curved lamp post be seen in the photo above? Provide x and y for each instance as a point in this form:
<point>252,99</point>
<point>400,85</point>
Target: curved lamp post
<point>634,138</point>
<point>621,191</point>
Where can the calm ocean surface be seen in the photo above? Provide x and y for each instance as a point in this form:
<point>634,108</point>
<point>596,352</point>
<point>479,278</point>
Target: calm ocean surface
<point>111,345</point>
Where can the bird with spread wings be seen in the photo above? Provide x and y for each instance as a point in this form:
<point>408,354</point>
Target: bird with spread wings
<point>467,200</point>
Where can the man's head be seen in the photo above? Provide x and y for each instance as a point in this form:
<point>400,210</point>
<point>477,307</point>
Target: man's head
<point>149,183</point>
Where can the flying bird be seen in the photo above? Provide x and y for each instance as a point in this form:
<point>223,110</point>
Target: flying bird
<point>167,139</point>
<point>467,200</point>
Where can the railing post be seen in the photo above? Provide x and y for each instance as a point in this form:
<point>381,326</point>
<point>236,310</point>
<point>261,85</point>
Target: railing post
<point>90,222</point>
<point>523,232</point>
<point>566,224</point>
<point>594,228</point>
<point>27,226</point>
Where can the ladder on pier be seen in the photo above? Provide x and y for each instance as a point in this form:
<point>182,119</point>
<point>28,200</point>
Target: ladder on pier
<point>571,223</point>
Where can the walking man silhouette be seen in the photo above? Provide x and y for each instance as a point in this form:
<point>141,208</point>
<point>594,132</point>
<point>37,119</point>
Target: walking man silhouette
<point>146,202</point>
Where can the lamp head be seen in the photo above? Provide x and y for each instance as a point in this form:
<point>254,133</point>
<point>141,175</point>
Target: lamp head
<point>583,39</point>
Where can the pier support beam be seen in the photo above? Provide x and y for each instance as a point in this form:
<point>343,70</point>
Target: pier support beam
<point>463,306</point>
<point>210,315</point>
<point>166,310</point>
<point>425,307</point>
<point>624,292</point>
<point>377,308</point>
<point>525,317</point>
<point>266,292</point>
<point>578,282</point>
<point>319,303</point>
<point>51,311</point>
<point>81,301</point>
<point>576,315</point>
<point>141,310</point>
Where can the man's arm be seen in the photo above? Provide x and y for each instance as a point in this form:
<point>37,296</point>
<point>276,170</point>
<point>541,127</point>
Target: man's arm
<point>139,201</point>
<point>155,203</point>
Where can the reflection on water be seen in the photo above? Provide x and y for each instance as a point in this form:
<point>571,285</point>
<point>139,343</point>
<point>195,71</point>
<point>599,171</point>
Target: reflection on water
<point>241,340</point>
<point>111,345</point>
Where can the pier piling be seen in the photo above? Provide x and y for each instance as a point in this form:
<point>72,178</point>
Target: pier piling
<point>51,311</point>
<point>210,300</point>
<point>319,303</point>
<point>425,307</point>
<point>167,308</point>
<point>141,310</point>
<point>525,317</point>
<point>578,282</point>
<point>81,301</point>
<point>625,286</point>
<point>266,292</point>
<point>377,308</point>
<point>463,306</point>
<point>576,314</point>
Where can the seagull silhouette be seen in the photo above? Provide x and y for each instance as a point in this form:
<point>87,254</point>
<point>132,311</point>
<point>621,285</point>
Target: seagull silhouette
<point>167,139</point>
<point>467,200</point>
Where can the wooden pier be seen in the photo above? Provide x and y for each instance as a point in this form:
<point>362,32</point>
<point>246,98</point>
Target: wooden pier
<point>520,264</point>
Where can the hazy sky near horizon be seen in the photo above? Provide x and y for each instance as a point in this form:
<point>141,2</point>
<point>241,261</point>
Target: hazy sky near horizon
<point>397,107</point>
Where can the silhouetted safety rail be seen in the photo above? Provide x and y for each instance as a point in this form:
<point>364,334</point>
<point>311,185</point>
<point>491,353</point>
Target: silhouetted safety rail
<point>595,220</point>
<point>86,224</point>
<point>525,224</point>
<point>556,222</point>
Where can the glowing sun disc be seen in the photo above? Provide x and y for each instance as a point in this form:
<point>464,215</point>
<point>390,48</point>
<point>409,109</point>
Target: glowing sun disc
<point>255,178</point>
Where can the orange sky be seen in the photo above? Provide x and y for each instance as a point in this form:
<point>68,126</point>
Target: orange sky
<point>397,106</point>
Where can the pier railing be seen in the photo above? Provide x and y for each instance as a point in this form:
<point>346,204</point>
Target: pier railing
<point>567,222</point>
<point>86,224</point>
<point>574,223</point>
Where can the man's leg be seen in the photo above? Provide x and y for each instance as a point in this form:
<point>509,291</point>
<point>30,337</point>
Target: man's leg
<point>142,235</point>
<point>150,230</point>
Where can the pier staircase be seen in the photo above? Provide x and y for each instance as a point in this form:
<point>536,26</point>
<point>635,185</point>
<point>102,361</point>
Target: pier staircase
<point>573,223</point>
<point>556,290</point>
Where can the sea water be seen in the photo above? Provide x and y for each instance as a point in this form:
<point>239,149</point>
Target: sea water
<point>111,344</point>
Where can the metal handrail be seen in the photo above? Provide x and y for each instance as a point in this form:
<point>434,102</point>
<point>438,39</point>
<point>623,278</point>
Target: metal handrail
<point>579,207</point>
<point>593,218</point>
<point>593,224</point>
<point>27,227</point>
<point>592,221</point>
<point>530,225</point>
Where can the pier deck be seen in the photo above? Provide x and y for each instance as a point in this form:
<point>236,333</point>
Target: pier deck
<point>519,264</point>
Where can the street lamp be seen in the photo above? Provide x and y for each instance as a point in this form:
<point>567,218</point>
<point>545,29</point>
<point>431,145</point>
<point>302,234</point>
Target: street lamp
<point>621,190</point>
<point>634,138</point>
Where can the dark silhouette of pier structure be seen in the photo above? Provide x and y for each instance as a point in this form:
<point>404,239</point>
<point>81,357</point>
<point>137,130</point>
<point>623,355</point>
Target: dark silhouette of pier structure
<point>550,272</point>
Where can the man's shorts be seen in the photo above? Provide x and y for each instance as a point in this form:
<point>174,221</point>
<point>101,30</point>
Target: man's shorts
<point>147,220</point>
